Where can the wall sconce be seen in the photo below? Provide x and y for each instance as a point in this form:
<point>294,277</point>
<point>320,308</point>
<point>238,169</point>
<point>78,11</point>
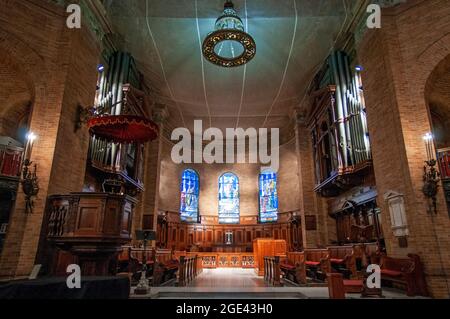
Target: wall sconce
<point>399,224</point>
<point>430,175</point>
<point>30,184</point>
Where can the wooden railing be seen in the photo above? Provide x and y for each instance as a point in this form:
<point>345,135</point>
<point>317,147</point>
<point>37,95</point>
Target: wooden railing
<point>272,273</point>
<point>10,161</point>
<point>444,162</point>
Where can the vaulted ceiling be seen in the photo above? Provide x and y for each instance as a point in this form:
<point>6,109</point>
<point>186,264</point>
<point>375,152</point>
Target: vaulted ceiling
<point>293,38</point>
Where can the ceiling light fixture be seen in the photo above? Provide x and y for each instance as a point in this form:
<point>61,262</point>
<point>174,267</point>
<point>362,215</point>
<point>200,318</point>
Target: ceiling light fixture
<point>229,45</point>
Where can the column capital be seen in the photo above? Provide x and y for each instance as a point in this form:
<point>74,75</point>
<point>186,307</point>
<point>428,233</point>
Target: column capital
<point>299,116</point>
<point>160,113</point>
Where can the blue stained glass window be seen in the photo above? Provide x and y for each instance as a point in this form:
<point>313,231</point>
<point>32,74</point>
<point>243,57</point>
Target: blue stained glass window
<point>190,188</point>
<point>268,197</point>
<point>229,199</point>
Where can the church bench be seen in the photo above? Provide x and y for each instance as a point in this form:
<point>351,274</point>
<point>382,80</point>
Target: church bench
<point>129,261</point>
<point>165,272</point>
<point>372,253</point>
<point>342,258</point>
<point>338,287</point>
<point>272,272</point>
<point>407,272</point>
<point>190,266</point>
<point>318,262</point>
<point>293,267</point>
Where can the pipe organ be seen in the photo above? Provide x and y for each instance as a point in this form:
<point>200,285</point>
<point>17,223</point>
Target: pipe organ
<point>338,127</point>
<point>119,93</point>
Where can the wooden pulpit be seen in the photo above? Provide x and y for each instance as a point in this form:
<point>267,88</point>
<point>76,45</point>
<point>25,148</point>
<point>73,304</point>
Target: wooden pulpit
<point>267,247</point>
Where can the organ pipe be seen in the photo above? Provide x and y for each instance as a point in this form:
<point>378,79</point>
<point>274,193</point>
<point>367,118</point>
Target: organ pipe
<point>338,122</point>
<point>119,70</point>
<point>349,112</point>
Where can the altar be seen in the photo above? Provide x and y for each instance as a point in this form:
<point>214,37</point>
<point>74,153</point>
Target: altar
<point>227,260</point>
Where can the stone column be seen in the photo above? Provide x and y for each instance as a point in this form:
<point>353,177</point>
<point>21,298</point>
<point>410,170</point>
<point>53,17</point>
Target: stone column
<point>395,74</point>
<point>309,202</point>
<point>153,169</point>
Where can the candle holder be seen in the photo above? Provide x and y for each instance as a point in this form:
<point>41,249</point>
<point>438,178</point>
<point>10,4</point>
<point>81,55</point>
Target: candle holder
<point>430,175</point>
<point>30,185</point>
<point>431,186</point>
<point>143,288</point>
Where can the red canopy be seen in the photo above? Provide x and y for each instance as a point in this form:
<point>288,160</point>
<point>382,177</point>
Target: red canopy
<point>123,128</point>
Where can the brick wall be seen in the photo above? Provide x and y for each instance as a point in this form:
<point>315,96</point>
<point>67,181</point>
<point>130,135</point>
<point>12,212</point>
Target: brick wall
<point>169,188</point>
<point>59,65</point>
<point>398,60</point>
<point>16,95</point>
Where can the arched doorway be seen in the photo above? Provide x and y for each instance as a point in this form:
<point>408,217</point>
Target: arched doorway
<point>437,96</point>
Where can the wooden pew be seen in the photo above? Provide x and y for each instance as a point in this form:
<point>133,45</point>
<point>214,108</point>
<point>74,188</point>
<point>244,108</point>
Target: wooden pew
<point>293,267</point>
<point>272,273</point>
<point>336,287</point>
<point>129,261</point>
<point>342,260</point>
<point>317,261</point>
<point>161,264</point>
<point>373,253</point>
<point>405,271</point>
<point>189,268</point>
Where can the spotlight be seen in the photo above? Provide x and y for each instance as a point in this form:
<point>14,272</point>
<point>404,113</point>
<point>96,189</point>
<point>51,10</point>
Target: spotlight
<point>100,68</point>
<point>428,137</point>
<point>359,68</point>
<point>31,137</point>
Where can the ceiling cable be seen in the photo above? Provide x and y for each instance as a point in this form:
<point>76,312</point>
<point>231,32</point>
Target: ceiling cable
<point>161,63</point>
<point>287,65</point>
<point>245,71</point>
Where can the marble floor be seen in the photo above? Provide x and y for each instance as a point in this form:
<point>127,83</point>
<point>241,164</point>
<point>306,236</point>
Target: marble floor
<point>228,278</point>
<point>233,283</point>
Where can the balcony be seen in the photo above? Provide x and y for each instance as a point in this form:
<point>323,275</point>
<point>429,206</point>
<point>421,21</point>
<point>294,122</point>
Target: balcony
<point>10,160</point>
<point>444,162</point>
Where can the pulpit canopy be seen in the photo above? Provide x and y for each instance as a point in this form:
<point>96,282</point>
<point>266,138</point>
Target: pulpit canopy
<point>123,129</point>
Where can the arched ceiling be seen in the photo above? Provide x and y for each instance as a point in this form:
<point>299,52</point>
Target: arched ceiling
<point>293,38</point>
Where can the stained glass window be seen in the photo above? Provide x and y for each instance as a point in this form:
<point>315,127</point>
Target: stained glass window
<point>229,199</point>
<point>189,196</point>
<point>268,197</point>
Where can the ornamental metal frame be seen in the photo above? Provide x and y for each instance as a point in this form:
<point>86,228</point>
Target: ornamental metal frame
<point>219,36</point>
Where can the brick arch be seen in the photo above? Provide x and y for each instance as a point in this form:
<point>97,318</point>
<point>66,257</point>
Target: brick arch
<point>430,58</point>
<point>28,63</point>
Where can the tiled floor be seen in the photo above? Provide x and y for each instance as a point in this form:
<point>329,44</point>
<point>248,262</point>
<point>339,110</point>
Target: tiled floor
<point>233,283</point>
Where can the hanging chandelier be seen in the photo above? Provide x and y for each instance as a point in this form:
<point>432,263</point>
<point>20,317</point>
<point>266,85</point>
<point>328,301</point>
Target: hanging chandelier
<point>229,45</point>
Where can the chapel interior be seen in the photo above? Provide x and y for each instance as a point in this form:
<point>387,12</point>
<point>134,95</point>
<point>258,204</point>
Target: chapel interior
<point>356,118</point>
